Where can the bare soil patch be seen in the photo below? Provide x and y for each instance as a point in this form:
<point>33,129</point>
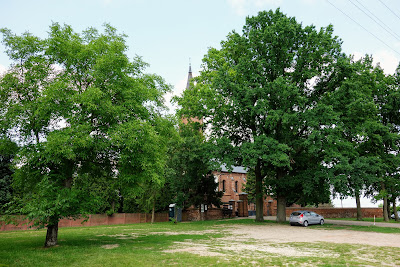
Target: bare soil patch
<point>261,241</point>
<point>283,233</point>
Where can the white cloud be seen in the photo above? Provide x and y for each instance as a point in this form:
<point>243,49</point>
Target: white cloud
<point>387,60</point>
<point>178,89</point>
<point>243,7</point>
<point>2,69</point>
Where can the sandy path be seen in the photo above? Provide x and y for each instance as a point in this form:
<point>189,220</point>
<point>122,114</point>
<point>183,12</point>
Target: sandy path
<point>283,233</point>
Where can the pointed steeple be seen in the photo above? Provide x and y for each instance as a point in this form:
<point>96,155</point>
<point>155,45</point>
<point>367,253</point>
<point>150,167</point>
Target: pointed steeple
<point>190,76</point>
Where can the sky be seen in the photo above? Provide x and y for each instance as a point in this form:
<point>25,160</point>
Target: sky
<point>170,34</point>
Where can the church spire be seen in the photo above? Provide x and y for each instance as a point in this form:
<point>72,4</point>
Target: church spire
<point>190,76</point>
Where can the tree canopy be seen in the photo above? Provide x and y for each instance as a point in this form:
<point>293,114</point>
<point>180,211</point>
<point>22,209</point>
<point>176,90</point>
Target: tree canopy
<point>261,96</point>
<point>85,116</point>
<point>191,164</point>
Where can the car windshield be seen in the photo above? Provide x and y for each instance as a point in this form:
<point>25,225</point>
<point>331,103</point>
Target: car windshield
<point>296,213</point>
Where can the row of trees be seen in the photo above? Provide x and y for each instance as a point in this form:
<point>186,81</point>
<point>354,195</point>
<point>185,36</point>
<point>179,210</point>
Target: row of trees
<point>82,131</point>
<point>83,128</point>
<point>283,100</point>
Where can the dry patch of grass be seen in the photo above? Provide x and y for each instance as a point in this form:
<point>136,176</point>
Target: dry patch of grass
<point>111,246</point>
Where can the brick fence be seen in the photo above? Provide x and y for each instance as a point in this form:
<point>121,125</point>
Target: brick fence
<point>187,215</point>
<point>340,212</point>
<point>96,219</point>
<point>193,214</point>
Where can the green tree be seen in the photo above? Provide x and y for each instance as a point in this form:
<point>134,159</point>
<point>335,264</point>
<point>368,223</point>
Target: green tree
<point>190,170</point>
<point>84,115</point>
<point>260,94</point>
<point>148,194</point>
<point>7,151</point>
<point>354,163</point>
<point>385,139</point>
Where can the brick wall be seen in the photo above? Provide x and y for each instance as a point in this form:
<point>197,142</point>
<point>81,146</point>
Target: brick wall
<point>339,212</point>
<point>230,185</point>
<point>193,214</point>
<point>95,219</point>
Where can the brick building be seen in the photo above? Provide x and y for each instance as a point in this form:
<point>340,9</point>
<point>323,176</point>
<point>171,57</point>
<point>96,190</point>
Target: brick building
<point>232,184</point>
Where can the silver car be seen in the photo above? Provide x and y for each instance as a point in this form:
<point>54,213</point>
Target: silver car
<point>305,218</point>
<point>398,213</point>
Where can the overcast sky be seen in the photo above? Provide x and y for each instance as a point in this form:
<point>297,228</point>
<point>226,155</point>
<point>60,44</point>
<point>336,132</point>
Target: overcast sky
<point>167,33</point>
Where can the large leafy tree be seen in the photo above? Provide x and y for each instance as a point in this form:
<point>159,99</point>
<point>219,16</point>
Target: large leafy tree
<point>354,164</point>
<point>385,140</point>
<point>190,168</point>
<point>260,94</point>
<point>85,117</point>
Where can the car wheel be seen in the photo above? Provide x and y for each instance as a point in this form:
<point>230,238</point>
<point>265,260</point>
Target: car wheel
<point>321,222</point>
<point>305,223</point>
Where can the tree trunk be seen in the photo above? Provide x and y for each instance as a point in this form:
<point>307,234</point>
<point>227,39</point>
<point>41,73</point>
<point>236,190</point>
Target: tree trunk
<point>153,211</point>
<point>388,208</point>
<point>385,210</point>
<point>281,211</point>
<point>113,206</point>
<point>259,194</point>
<point>281,198</point>
<point>358,203</point>
<point>396,216</point>
<point>51,235</point>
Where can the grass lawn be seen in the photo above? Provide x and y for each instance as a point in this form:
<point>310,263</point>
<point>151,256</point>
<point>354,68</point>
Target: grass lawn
<point>183,244</point>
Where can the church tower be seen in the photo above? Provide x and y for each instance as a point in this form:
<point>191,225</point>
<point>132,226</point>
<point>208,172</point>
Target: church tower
<point>190,77</point>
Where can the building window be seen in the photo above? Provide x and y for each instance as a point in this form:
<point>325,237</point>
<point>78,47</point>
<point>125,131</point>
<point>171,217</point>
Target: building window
<point>223,185</point>
<point>236,186</point>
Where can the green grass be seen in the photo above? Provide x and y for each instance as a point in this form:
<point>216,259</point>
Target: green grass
<point>148,245</point>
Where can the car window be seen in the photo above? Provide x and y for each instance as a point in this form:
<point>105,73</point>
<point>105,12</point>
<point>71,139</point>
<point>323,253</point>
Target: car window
<point>296,213</point>
<point>307,213</point>
<point>313,214</point>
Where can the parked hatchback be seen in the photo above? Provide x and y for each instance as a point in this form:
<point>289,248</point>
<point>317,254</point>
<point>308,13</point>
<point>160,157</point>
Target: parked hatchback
<point>305,218</point>
<point>398,213</point>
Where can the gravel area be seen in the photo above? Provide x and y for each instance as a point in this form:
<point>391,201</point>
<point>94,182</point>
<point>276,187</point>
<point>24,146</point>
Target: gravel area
<point>286,233</point>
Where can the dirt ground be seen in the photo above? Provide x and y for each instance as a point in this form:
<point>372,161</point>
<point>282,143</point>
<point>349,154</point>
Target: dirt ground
<point>286,233</point>
<point>276,240</point>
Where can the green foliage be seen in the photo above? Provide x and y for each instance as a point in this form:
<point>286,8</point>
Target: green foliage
<point>88,120</point>
<point>264,113</point>
<point>7,151</point>
<point>150,191</point>
<point>355,163</point>
<point>190,170</point>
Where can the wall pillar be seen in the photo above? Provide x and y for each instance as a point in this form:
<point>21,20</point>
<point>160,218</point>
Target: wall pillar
<point>243,205</point>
